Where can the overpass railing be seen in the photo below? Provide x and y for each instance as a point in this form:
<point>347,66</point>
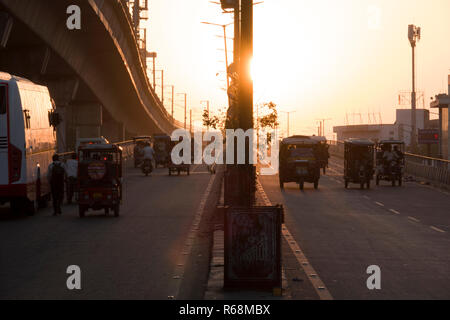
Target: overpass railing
<point>431,169</point>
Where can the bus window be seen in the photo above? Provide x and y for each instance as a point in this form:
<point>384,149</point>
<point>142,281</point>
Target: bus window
<point>2,99</point>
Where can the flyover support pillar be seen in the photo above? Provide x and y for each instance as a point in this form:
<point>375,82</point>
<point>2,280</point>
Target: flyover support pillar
<point>113,130</point>
<point>88,119</point>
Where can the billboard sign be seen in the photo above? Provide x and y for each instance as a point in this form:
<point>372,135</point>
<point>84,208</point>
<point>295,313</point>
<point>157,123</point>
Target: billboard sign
<point>253,247</point>
<point>428,136</point>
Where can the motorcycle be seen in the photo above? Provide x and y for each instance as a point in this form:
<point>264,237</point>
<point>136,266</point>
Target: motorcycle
<point>147,167</point>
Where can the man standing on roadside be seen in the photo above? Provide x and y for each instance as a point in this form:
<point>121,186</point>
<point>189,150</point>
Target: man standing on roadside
<point>56,176</point>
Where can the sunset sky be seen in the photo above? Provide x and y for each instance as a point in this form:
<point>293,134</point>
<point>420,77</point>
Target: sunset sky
<point>322,58</point>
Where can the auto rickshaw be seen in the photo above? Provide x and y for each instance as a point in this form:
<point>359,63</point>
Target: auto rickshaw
<point>100,178</point>
<point>183,167</point>
<point>358,162</point>
<point>298,161</point>
<point>139,144</point>
<point>323,153</point>
<point>162,147</point>
<point>390,169</point>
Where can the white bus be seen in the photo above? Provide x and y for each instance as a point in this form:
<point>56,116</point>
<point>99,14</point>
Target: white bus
<point>27,143</point>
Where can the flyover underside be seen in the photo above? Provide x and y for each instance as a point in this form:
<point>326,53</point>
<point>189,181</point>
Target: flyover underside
<point>97,65</point>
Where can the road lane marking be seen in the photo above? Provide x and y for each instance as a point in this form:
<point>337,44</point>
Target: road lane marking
<point>366,197</point>
<point>437,229</point>
<point>379,203</point>
<point>394,211</point>
<point>313,276</point>
<point>413,219</point>
<point>175,285</point>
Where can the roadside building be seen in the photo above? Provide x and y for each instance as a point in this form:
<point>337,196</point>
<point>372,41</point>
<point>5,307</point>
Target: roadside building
<point>442,102</point>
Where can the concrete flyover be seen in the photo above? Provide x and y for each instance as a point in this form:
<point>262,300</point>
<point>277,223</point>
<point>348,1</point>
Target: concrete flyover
<point>96,75</point>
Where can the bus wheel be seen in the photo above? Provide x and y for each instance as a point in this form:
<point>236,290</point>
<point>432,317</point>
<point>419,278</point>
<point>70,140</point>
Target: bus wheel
<point>17,206</point>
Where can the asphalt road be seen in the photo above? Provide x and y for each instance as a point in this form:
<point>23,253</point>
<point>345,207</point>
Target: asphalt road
<point>403,230</point>
<point>131,257</point>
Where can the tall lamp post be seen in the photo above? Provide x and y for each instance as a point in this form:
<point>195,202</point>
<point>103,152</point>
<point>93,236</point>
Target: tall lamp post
<point>288,120</point>
<point>414,34</point>
<point>153,56</point>
<point>185,109</point>
<point>224,26</point>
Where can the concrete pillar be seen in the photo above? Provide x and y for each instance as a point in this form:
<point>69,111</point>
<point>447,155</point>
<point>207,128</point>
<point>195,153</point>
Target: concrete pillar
<point>113,130</point>
<point>63,92</point>
<point>87,120</point>
<point>6,24</point>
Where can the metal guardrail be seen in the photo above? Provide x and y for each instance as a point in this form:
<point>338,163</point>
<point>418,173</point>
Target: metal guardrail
<point>428,168</point>
<point>127,151</point>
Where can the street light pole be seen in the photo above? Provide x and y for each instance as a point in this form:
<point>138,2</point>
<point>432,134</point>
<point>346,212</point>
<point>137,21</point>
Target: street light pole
<point>322,126</point>
<point>224,26</point>
<point>173,91</point>
<point>288,120</point>
<point>185,109</point>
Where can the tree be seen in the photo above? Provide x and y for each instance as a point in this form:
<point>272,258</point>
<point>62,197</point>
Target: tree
<point>210,121</point>
<point>270,117</point>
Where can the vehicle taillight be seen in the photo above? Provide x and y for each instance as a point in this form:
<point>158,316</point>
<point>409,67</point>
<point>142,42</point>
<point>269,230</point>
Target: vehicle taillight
<point>15,163</point>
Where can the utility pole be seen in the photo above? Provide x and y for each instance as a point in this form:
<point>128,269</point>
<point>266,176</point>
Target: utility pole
<point>185,109</point>
<point>224,26</point>
<point>153,56</point>
<point>190,121</point>
<point>288,120</point>
<point>173,92</point>
<point>237,32</point>
<point>162,87</point>
<point>414,34</point>
<point>322,126</point>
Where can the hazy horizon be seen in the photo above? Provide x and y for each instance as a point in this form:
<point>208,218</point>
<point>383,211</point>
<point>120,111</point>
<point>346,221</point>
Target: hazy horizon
<point>323,59</point>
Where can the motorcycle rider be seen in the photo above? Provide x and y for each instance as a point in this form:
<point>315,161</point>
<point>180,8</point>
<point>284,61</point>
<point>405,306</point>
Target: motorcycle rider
<point>148,156</point>
<point>388,158</point>
<point>398,155</point>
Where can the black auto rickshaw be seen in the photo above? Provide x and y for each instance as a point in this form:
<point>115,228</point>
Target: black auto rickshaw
<point>358,162</point>
<point>100,178</point>
<point>298,161</point>
<point>139,144</point>
<point>390,161</point>
<point>323,154</point>
<point>162,147</point>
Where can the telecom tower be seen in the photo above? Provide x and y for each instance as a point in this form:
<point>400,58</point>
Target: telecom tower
<point>413,36</point>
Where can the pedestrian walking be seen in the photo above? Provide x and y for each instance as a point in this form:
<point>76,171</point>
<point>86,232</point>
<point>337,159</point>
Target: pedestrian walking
<point>56,176</point>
